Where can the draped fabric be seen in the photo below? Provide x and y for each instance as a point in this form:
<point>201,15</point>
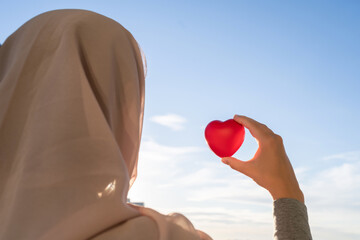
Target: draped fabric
<point>72,88</point>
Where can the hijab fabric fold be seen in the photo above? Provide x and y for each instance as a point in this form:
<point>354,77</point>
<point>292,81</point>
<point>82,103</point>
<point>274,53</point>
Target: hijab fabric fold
<point>72,88</point>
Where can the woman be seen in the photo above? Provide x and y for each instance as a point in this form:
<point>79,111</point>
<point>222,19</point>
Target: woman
<point>71,113</point>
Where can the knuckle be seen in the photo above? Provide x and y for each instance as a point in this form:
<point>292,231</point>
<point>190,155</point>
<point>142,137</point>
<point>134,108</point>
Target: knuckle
<point>273,139</point>
<point>278,138</point>
<point>232,166</point>
<point>267,129</point>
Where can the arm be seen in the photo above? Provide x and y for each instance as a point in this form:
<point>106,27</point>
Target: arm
<point>291,220</point>
<point>271,168</point>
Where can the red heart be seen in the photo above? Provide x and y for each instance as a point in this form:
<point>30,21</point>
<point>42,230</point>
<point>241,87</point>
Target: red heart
<point>224,138</point>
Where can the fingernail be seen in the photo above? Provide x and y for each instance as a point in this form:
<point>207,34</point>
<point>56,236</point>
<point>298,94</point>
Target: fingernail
<point>224,160</point>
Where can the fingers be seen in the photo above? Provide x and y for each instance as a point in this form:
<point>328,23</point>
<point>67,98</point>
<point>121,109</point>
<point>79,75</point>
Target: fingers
<point>236,164</point>
<point>257,130</point>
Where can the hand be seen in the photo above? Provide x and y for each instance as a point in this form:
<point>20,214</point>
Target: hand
<point>270,167</point>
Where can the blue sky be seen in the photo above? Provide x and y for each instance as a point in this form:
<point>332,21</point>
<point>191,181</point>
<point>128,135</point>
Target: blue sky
<point>293,65</point>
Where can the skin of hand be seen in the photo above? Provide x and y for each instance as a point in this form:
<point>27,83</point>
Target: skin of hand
<point>270,167</point>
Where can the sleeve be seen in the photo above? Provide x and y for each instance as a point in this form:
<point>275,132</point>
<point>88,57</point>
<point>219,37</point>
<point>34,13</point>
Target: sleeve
<point>291,220</point>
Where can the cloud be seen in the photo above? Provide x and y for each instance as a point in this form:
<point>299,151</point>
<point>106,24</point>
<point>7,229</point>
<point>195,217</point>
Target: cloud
<point>225,203</point>
<point>346,156</point>
<point>332,196</point>
<point>337,186</point>
<point>152,151</point>
<point>223,215</point>
<point>172,121</point>
<point>201,181</point>
<point>224,222</point>
<point>160,165</point>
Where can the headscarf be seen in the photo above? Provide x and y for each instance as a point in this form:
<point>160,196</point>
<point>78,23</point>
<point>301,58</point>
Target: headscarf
<point>71,112</point>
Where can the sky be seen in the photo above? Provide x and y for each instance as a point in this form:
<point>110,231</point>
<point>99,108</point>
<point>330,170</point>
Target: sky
<point>292,65</point>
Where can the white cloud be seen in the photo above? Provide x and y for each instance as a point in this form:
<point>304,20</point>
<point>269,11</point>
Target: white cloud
<point>337,186</point>
<point>159,166</point>
<point>154,151</point>
<point>226,223</point>
<point>172,121</point>
<point>332,196</point>
<point>346,156</point>
<point>171,180</point>
<point>229,205</point>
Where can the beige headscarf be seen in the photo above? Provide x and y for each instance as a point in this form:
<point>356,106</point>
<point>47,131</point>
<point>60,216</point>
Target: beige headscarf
<point>71,112</point>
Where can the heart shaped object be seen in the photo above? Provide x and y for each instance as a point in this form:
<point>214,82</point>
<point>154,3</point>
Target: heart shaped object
<point>224,138</point>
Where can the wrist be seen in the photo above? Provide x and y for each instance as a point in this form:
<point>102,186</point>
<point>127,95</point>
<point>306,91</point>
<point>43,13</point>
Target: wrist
<point>295,193</point>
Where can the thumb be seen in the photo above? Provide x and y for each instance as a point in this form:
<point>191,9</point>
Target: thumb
<point>236,164</point>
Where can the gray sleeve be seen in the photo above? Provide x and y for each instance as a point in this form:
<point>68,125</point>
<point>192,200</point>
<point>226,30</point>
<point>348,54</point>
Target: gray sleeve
<point>291,220</point>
